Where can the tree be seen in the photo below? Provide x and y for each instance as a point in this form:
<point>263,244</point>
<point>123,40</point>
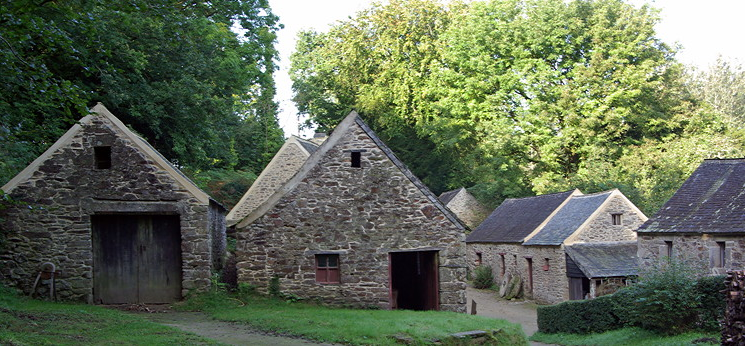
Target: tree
<point>173,70</point>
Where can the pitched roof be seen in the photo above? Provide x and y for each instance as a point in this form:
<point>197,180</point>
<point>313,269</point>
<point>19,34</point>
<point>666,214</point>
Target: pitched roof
<point>712,200</point>
<point>605,259</point>
<point>275,174</point>
<point>100,111</point>
<point>352,119</point>
<point>568,219</point>
<point>516,218</point>
<point>448,196</point>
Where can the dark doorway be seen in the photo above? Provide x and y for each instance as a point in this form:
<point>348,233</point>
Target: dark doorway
<point>414,280</point>
<point>136,259</point>
<point>579,288</point>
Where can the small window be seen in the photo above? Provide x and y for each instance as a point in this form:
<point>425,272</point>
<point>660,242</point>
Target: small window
<point>720,254</point>
<point>479,258</point>
<point>356,159</point>
<point>327,269</point>
<point>503,269</point>
<point>616,219</point>
<point>668,248</point>
<point>102,156</point>
<point>546,265</point>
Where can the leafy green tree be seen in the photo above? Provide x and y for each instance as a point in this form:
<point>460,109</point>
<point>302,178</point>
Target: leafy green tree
<point>723,87</point>
<point>173,70</point>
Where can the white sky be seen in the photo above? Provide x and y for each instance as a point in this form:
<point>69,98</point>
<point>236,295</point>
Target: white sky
<point>705,29</point>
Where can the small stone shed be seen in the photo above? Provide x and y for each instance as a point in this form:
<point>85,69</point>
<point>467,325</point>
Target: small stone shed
<point>355,227</point>
<point>538,229</point>
<point>285,163</point>
<point>703,223</point>
<point>600,268</point>
<point>465,206</point>
<point>119,222</point>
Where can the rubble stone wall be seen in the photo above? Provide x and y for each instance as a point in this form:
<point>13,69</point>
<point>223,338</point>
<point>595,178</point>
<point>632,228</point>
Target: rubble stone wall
<point>468,209</point>
<point>602,229</point>
<point>695,249</point>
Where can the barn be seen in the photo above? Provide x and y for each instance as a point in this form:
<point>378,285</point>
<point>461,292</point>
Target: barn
<point>119,222</point>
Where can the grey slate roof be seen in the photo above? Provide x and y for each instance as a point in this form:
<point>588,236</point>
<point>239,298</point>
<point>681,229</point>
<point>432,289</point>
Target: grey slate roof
<point>605,259</point>
<point>448,196</point>
<point>567,220</point>
<point>516,218</point>
<point>309,146</point>
<point>712,200</point>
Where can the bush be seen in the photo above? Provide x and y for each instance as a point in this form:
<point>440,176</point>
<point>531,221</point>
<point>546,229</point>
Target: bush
<point>483,277</point>
<point>579,316</point>
<point>712,302</point>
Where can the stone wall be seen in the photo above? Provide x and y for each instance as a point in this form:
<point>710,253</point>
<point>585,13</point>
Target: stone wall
<point>695,249</point>
<point>54,223</point>
<point>468,209</point>
<point>282,167</point>
<point>550,283</point>
<point>362,214</point>
<point>602,229</point>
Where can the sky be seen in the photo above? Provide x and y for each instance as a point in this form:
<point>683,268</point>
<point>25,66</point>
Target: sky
<point>704,29</point>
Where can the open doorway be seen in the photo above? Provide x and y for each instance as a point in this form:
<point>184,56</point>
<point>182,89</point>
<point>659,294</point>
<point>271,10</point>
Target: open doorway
<point>414,280</point>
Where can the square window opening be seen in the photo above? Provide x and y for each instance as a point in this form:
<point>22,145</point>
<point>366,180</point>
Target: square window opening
<point>616,219</point>
<point>356,159</point>
<point>327,269</point>
<point>102,157</point>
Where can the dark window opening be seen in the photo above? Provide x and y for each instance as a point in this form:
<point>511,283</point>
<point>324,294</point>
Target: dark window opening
<point>103,157</point>
<point>720,255</point>
<point>327,269</point>
<point>668,248</point>
<point>356,159</point>
<point>530,274</point>
<point>546,264</point>
<point>616,218</point>
<point>503,269</point>
<point>478,258</point>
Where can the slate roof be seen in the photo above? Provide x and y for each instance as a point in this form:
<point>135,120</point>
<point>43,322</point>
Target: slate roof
<point>516,218</point>
<point>605,259</point>
<point>309,146</point>
<point>712,200</point>
<point>448,196</point>
<point>568,219</point>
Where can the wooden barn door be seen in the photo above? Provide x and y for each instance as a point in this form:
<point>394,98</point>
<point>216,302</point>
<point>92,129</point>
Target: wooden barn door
<point>136,259</point>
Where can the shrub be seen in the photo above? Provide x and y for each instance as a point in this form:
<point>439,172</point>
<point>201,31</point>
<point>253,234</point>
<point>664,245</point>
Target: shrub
<point>483,277</point>
<point>273,288</point>
<point>712,302</point>
<point>579,316</point>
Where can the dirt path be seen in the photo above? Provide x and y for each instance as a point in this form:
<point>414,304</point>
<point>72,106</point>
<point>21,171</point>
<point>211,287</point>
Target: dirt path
<point>224,332</point>
<point>520,312</point>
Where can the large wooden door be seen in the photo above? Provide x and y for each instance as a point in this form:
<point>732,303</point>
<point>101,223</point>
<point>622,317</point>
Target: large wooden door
<point>136,259</point>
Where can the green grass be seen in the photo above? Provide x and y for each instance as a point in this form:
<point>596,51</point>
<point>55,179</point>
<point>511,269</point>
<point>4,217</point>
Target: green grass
<point>348,326</point>
<point>33,322</point>
<point>625,336</point>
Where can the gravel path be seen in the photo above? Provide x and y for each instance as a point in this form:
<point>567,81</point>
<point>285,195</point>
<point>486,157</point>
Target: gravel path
<point>520,312</point>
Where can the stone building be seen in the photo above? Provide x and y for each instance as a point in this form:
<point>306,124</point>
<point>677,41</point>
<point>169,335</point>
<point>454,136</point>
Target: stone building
<point>285,163</point>
<point>599,268</point>
<point>355,227</point>
<point>465,206</point>
<point>703,223</point>
<point>526,237</point>
<point>116,219</point>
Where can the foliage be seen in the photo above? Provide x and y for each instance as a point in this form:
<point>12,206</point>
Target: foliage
<point>347,326</point>
<point>723,87</point>
<point>483,277</point>
<point>518,97</point>
<point>273,288</point>
<point>32,322</point>
<point>712,301</point>
<point>226,186</point>
<point>626,337</point>
<point>579,316</point>
<point>173,70</point>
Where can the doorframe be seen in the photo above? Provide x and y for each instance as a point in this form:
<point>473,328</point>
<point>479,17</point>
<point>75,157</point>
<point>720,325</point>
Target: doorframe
<point>436,253</point>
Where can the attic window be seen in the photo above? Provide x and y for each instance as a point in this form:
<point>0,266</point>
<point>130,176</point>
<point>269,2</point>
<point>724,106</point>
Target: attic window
<point>616,219</point>
<point>356,159</point>
<point>102,156</point>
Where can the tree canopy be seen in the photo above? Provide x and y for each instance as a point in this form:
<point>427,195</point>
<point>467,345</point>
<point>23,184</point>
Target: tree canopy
<point>517,97</point>
<point>175,71</point>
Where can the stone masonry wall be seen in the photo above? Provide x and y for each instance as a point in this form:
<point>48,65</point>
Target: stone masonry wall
<point>468,209</point>
<point>362,214</point>
<point>66,190</point>
<point>694,249</point>
<point>283,167</point>
<point>602,229</point>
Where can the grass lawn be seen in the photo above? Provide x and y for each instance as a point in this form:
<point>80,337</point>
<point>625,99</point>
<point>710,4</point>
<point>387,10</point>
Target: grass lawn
<point>625,336</point>
<point>348,326</point>
<point>33,322</point>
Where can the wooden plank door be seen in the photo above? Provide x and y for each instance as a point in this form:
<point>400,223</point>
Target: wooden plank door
<point>136,259</point>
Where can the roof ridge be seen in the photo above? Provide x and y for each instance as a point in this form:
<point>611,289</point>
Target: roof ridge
<point>543,195</point>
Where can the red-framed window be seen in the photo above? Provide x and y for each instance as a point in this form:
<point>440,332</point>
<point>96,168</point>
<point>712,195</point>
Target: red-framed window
<point>327,268</point>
